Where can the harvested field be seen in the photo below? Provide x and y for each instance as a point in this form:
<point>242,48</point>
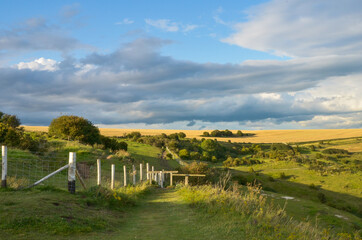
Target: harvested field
<point>261,136</point>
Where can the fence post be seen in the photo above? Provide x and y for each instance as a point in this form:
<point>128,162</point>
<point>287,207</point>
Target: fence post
<point>186,180</point>
<point>152,174</point>
<point>71,172</point>
<point>141,172</point>
<point>4,157</point>
<point>134,175</point>
<point>112,176</point>
<point>99,170</point>
<point>171,179</point>
<point>147,170</point>
<point>161,178</point>
<point>124,176</point>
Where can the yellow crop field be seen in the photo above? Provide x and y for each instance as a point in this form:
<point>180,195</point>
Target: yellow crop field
<point>261,136</point>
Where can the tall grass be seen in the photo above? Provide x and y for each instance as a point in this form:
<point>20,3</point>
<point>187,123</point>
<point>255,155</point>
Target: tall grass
<point>259,218</point>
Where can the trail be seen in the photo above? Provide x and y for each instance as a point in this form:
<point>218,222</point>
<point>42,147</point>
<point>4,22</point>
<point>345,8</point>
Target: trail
<point>162,215</point>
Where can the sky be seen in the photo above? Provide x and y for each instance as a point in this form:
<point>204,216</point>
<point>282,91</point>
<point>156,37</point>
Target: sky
<point>280,64</point>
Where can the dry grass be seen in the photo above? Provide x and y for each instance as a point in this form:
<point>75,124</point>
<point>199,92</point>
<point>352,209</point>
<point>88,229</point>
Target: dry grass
<point>261,136</point>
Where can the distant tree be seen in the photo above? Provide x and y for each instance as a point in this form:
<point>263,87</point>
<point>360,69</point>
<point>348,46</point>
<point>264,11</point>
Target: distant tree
<point>206,134</point>
<point>239,133</point>
<point>74,128</point>
<point>181,135</point>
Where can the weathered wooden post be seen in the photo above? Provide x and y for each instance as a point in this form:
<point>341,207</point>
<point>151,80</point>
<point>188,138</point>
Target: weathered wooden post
<point>171,179</point>
<point>186,180</point>
<point>134,175</point>
<point>112,175</point>
<point>161,178</point>
<point>99,170</point>
<point>4,163</point>
<point>141,175</point>
<point>71,172</point>
<point>124,176</point>
<point>152,174</point>
<point>147,170</point>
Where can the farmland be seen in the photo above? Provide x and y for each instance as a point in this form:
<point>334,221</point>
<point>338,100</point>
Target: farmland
<point>261,136</point>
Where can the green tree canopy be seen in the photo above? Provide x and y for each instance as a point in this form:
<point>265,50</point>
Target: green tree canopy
<point>74,128</point>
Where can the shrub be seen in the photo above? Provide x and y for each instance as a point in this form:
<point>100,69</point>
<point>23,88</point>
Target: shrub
<point>282,175</point>
<point>195,156</point>
<point>334,151</point>
<point>10,120</point>
<point>322,198</point>
<point>206,134</point>
<point>184,154</point>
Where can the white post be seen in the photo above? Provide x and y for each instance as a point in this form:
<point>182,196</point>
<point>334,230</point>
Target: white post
<point>152,174</point>
<point>4,173</point>
<point>99,172</point>
<point>71,172</point>
<point>171,179</point>
<point>141,172</point>
<point>124,176</point>
<point>147,170</point>
<point>134,175</point>
<point>112,176</point>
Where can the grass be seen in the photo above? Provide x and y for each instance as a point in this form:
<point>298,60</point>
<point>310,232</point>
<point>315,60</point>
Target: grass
<point>259,218</point>
<point>46,212</point>
<point>261,136</point>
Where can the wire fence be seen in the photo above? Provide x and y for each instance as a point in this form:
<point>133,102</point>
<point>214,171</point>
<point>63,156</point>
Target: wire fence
<point>24,169</point>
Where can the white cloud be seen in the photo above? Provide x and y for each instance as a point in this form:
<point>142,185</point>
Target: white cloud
<point>40,64</point>
<point>125,21</point>
<point>302,28</point>
<point>164,24</point>
<point>169,26</point>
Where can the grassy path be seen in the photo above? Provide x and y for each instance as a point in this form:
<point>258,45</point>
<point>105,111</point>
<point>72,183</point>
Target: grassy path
<point>161,215</point>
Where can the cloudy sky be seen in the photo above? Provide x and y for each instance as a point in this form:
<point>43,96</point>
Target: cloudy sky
<point>280,64</point>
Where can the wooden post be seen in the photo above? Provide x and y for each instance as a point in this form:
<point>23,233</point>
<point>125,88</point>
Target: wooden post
<point>134,175</point>
<point>152,174</point>
<point>141,172</point>
<point>147,170</point>
<point>171,179</point>
<point>4,162</point>
<point>71,172</point>
<point>112,175</point>
<point>124,176</point>
<point>161,178</point>
<point>99,172</point>
<point>186,180</point>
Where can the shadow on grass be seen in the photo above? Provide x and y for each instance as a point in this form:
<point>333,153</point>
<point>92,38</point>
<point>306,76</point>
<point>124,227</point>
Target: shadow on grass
<point>336,200</point>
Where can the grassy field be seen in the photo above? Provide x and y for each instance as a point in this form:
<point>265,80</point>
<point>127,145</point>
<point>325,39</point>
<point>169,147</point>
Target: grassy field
<point>261,136</point>
<point>132,214</point>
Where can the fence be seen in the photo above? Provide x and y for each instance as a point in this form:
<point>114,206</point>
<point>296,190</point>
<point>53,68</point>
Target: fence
<point>24,170</point>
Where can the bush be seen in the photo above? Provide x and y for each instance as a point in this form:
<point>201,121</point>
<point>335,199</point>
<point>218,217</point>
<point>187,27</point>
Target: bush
<point>184,154</point>
<point>322,198</point>
<point>113,144</point>
<point>195,156</point>
<point>335,151</point>
<point>280,147</point>
<point>74,128</point>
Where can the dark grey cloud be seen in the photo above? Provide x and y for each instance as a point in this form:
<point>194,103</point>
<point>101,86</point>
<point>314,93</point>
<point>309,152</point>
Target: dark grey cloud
<point>37,34</point>
<point>136,84</point>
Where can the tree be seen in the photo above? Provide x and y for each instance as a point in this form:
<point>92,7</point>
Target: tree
<point>10,120</point>
<point>239,133</point>
<point>206,134</point>
<point>181,135</point>
<point>74,128</point>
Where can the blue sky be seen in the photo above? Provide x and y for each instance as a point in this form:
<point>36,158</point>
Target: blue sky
<point>187,64</point>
